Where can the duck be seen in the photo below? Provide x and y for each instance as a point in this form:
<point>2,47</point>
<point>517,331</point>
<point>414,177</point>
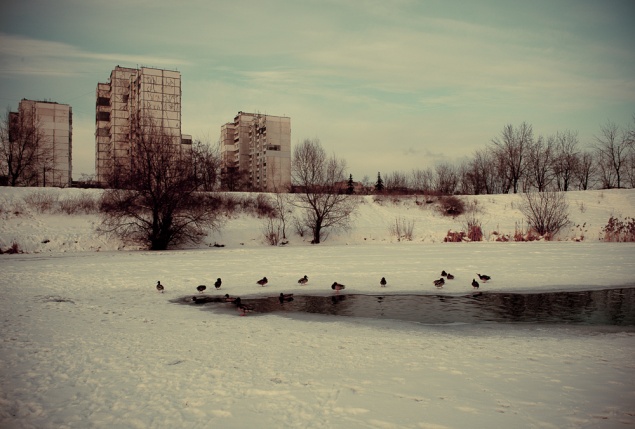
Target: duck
<point>304,280</point>
<point>243,308</point>
<point>337,286</point>
<point>383,282</point>
<point>201,288</point>
<point>160,287</point>
<point>475,284</point>
<point>439,283</point>
<point>218,283</point>
<point>450,276</point>
<point>263,281</point>
<point>285,297</point>
<point>483,277</point>
<point>228,298</point>
<point>443,273</point>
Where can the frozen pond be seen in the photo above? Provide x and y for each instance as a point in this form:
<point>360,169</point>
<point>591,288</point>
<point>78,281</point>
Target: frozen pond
<point>595,307</point>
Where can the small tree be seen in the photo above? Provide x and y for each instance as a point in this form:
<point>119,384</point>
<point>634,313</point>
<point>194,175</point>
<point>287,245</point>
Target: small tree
<point>157,203</point>
<point>350,186</point>
<point>379,185</point>
<point>546,212</point>
<point>319,177</point>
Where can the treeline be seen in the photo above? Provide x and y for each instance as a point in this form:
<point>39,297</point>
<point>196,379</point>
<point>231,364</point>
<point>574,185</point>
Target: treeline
<point>519,161</point>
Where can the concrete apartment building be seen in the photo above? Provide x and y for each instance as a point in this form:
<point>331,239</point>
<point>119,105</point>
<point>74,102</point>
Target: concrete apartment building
<point>258,146</point>
<point>53,123</point>
<point>128,102</point>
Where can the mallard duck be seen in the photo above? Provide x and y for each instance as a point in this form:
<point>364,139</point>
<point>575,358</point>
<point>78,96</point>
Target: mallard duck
<point>337,286</point>
<point>383,282</point>
<point>483,277</point>
<point>475,284</point>
<point>160,287</point>
<point>443,273</point>
<point>439,283</point>
<point>201,288</point>
<point>450,276</point>
<point>218,283</point>
<point>304,280</point>
<point>263,281</point>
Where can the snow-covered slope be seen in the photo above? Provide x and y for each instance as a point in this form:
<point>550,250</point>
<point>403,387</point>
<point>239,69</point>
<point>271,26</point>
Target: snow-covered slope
<point>54,231</point>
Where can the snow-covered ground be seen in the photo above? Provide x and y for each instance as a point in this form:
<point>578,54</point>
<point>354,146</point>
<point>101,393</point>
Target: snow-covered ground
<point>88,342</point>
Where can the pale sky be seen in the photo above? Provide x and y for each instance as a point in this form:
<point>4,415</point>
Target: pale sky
<point>386,85</point>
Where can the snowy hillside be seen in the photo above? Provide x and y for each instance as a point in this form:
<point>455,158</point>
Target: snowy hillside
<point>53,230</point>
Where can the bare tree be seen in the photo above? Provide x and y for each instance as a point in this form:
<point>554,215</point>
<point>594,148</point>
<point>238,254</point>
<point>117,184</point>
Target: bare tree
<point>318,178</point>
<point>26,154</point>
<point>396,182</point>
<point>566,159</point>
<point>585,171</point>
<point>157,203</point>
<point>511,150</point>
<point>613,147</point>
<point>206,165</point>
<point>539,162</point>
<point>482,172</point>
<point>446,180</point>
<point>546,212</point>
<point>422,180</point>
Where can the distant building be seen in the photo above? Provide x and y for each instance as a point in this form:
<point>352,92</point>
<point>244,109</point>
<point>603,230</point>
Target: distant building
<point>128,102</point>
<point>53,125</point>
<point>257,148</point>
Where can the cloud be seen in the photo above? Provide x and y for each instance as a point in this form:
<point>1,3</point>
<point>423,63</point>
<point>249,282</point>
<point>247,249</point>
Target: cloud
<point>23,55</point>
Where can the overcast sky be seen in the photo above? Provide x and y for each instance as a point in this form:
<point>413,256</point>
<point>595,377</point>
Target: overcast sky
<point>386,85</point>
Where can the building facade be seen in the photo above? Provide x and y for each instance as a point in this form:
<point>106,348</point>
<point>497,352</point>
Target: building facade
<point>51,141</point>
<point>258,148</point>
<point>131,101</point>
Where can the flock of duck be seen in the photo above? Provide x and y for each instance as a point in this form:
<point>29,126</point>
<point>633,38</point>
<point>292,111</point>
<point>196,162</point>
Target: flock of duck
<point>287,297</point>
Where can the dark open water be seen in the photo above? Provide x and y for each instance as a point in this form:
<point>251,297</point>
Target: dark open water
<point>597,307</point>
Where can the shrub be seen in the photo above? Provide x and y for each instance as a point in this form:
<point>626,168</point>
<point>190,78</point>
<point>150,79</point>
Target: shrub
<point>264,206</point>
<point>15,248</point>
<point>472,223</point>
<point>455,236</point>
<point>617,230</point>
<point>271,230</point>
<point>79,204</point>
<point>451,206</point>
<point>402,229</point>
<point>546,212</point>
<point>299,226</point>
<point>41,201</point>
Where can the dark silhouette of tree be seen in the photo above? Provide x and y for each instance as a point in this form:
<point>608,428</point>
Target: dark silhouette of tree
<point>379,185</point>
<point>585,171</point>
<point>566,159</point>
<point>232,179</point>
<point>206,165</point>
<point>613,147</point>
<point>540,157</point>
<point>350,186</point>
<point>26,152</point>
<point>511,149</point>
<point>318,179</point>
<point>156,203</point>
